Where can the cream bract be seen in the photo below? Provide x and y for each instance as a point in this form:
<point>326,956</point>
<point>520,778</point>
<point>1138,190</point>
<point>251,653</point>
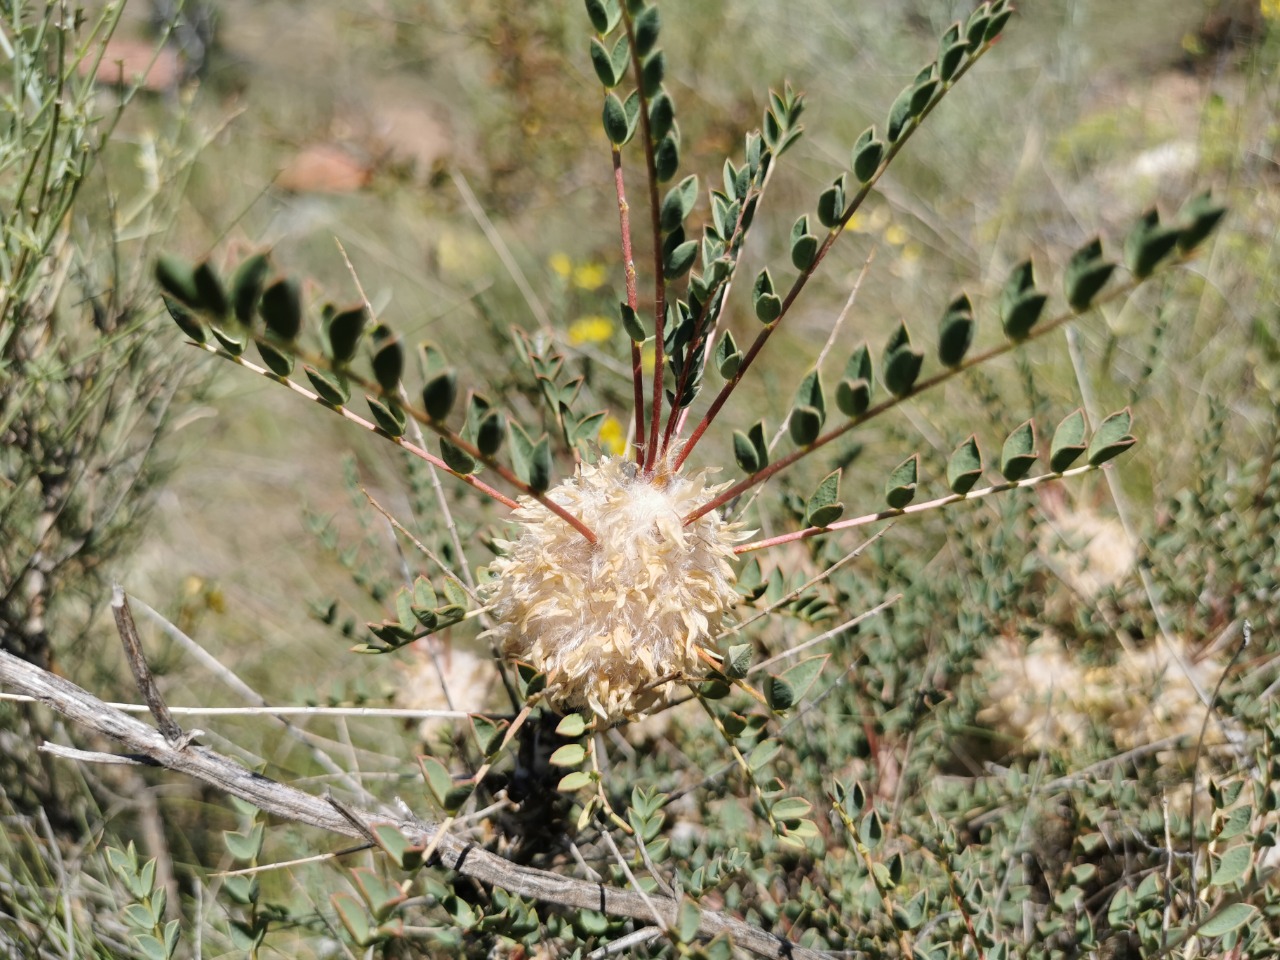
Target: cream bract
<point>618,623</point>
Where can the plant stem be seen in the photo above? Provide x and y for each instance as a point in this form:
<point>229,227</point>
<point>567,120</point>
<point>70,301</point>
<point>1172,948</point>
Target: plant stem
<point>659,277</point>
<point>629,266</point>
<point>862,521</point>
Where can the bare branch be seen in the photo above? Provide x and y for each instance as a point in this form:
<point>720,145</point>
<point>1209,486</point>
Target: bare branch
<point>454,853</point>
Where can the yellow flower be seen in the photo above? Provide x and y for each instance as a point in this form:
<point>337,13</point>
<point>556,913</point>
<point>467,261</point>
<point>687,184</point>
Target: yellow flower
<point>613,624</point>
<point>1271,9</point>
<point>895,235</point>
<point>593,329</point>
<point>613,439</point>
<point>855,223</point>
<point>560,264</point>
<point>589,276</point>
<point>647,358</point>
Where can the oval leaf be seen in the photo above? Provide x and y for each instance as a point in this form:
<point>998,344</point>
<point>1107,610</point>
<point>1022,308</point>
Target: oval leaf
<point>964,469</point>
<point>900,488</point>
<point>1111,438</point>
<point>1068,442</point>
<point>1019,452</point>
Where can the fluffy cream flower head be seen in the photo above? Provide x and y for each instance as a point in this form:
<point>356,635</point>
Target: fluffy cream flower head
<point>617,619</point>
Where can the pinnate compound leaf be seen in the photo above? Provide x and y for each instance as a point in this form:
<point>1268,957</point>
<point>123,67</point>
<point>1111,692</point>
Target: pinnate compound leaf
<point>1111,438</point>
<point>900,488</point>
<point>824,508</point>
<point>1068,442</point>
<point>1019,452</point>
<point>964,469</point>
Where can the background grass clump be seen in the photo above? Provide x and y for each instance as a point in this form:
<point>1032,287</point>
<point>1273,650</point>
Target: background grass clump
<point>1047,739</point>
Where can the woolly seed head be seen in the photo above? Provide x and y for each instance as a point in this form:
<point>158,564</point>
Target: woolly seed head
<point>616,620</point>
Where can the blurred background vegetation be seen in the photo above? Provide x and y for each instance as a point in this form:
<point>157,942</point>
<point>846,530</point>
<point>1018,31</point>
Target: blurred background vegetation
<point>441,143</point>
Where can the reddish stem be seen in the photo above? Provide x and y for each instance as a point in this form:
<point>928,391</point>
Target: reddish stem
<point>659,278</point>
<point>629,264</point>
